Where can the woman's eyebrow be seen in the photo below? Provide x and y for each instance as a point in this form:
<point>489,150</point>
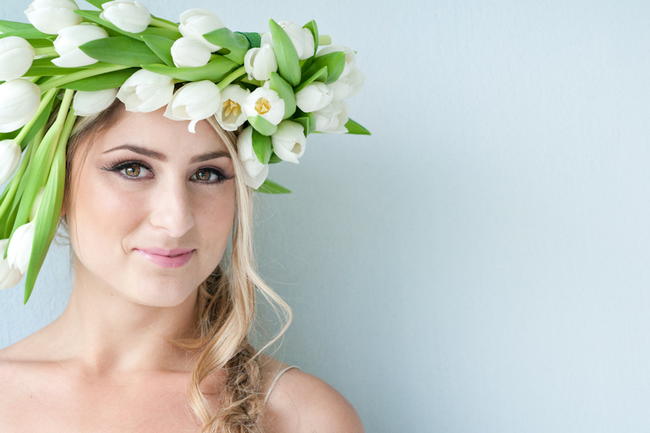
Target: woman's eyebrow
<point>162,157</point>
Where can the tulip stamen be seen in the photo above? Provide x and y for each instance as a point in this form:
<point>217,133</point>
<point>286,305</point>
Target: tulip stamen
<point>231,110</point>
<point>262,106</point>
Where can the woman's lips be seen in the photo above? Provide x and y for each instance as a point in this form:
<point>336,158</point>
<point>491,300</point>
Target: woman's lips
<point>166,261</point>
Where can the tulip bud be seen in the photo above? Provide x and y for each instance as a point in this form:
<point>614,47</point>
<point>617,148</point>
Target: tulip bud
<point>20,100</point>
<point>194,101</point>
<point>146,91</point>
<point>67,44</point>
<point>302,38</point>
<point>190,52</point>
<point>332,118</point>
<point>351,79</point>
<point>87,103</point>
<point>10,153</point>
<point>127,15</point>
<point>266,103</point>
<point>16,57</point>
<point>50,16</point>
<point>289,141</point>
<point>254,171</point>
<point>260,62</point>
<point>314,97</point>
<point>230,114</point>
<point>9,276</point>
<point>196,22</point>
<point>20,247</point>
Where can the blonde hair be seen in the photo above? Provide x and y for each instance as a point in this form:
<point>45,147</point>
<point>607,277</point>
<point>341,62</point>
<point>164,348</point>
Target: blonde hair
<point>225,308</point>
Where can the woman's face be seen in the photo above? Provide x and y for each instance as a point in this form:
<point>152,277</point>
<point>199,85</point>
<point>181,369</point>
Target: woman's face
<point>165,195</point>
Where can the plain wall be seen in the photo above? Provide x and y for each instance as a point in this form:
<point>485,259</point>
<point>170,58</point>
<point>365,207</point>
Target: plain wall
<point>480,263</point>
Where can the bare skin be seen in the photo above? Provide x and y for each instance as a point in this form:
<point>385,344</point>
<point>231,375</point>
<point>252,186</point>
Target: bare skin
<point>104,365</point>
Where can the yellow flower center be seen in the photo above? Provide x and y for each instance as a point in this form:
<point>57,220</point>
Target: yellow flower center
<point>231,110</point>
<point>262,106</point>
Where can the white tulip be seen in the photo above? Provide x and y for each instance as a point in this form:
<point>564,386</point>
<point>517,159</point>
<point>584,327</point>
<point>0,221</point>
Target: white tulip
<point>289,141</point>
<point>194,23</point>
<point>351,79</point>
<point>350,56</point>
<point>265,102</point>
<point>20,247</point>
<point>50,16</point>
<point>127,15</point>
<point>332,118</point>
<point>314,96</point>
<point>194,101</point>
<point>87,103</point>
<point>20,100</point>
<point>230,114</point>
<point>67,44</point>
<point>10,153</point>
<point>9,276</point>
<point>255,172</point>
<point>190,52</point>
<point>146,91</point>
<point>260,62</point>
<point>302,38</point>
<point>16,57</point>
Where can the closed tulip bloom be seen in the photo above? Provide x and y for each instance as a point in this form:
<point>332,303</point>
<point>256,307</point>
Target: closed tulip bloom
<point>255,172</point>
<point>10,153</point>
<point>314,97</point>
<point>289,141</point>
<point>194,23</point>
<point>86,103</point>
<point>67,44</point>
<point>190,52</point>
<point>146,91</point>
<point>302,38</point>
<point>16,57</point>
<point>230,114</point>
<point>332,119</point>
<point>194,101</point>
<point>20,100</point>
<point>265,102</point>
<point>50,16</point>
<point>351,79</point>
<point>127,15</point>
<point>9,276</point>
<point>260,62</point>
<point>20,247</point>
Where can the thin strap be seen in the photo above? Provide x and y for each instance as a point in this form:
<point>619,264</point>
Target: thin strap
<point>275,380</point>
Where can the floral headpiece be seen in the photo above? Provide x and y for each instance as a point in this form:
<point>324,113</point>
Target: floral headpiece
<point>69,62</point>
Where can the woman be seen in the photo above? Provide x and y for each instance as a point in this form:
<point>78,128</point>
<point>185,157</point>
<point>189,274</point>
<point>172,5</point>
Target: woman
<point>115,359</point>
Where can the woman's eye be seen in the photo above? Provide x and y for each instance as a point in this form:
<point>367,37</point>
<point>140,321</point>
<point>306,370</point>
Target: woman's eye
<point>132,169</point>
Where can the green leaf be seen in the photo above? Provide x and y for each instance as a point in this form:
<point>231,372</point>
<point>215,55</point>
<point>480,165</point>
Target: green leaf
<point>43,67</point>
<point>215,70</point>
<point>355,128</point>
<point>270,187</point>
<point>24,30</point>
<point>161,46</point>
<point>9,135</point>
<point>274,159</point>
<point>120,50</point>
<point>97,3</point>
<point>262,125</point>
<point>41,43</point>
<point>313,28</point>
<point>285,91</point>
<point>320,75</point>
<point>285,54</point>
<point>335,62</point>
<point>236,43</point>
<point>93,16</point>
<point>254,39</point>
<point>262,147</point>
<point>39,122</point>
<point>109,80</point>
<point>307,121</point>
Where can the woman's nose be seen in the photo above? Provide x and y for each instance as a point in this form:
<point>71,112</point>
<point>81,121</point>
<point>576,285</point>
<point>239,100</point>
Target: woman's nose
<point>171,208</point>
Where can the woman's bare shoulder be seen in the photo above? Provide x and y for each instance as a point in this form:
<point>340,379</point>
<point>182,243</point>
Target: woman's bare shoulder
<point>301,402</point>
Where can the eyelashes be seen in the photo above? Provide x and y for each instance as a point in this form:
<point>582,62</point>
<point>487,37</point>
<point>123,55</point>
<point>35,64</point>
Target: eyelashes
<point>121,165</point>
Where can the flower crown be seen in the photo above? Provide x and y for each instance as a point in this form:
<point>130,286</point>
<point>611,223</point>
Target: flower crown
<point>74,62</point>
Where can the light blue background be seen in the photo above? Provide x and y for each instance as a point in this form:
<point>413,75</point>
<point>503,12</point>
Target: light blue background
<point>479,264</point>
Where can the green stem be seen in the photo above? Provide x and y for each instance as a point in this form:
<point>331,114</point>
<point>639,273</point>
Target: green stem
<point>69,78</point>
<point>46,51</point>
<point>231,77</point>
<point>159,22</point>
<point>45,100</point>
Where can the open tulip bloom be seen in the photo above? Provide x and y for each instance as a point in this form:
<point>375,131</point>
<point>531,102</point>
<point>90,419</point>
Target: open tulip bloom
<point>286,83</point>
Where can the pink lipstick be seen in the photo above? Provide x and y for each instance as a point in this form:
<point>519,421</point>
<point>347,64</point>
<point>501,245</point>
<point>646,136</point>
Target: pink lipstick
<point>167,258</point>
